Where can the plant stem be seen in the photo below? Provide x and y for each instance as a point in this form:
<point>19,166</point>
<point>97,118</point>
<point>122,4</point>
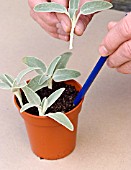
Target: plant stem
<point>40,111</point>
<point>19,97</point>
<point>74,22</point>
<point>50,83</point>
<point>72,33</point>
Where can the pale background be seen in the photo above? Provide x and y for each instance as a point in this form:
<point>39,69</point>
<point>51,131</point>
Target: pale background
<point>104,134</point>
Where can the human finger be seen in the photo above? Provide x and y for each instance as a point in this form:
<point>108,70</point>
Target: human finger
<point>45,26</point>
<point>63,18</point>
<point>119,34</point>
<point>111,25</point>
<point>121,56</point>
<point>48,17</point>
<point>83,20</point>
<point>125,68</point>
<point>82,23</point>
<point>59,36</point>
<point>53,31</point>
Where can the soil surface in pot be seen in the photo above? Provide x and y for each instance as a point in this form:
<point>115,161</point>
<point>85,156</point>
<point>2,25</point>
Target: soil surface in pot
<point>63,104</point>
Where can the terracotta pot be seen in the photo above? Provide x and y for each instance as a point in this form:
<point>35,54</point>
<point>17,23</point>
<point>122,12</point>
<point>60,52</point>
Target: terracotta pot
<point>49,139</point>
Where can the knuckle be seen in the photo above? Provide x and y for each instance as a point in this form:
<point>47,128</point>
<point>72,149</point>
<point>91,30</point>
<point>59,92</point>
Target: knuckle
<point>127,47</point>
<point>48,28</point>
<point>126,28</point>
<point>47,18</point>
<point>124,69</point>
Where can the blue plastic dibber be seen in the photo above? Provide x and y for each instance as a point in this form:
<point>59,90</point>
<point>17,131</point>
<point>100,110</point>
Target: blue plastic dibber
<point>90,79</point>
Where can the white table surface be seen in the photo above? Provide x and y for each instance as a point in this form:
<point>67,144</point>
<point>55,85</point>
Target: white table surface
<point>104,133</point>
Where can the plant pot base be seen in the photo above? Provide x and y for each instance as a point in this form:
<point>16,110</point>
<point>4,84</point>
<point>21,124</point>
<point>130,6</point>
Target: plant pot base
<point>55,158</point>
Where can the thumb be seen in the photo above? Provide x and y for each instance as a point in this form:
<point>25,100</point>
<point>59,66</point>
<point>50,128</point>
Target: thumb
<point>63,18</point>
<point>119,34</point>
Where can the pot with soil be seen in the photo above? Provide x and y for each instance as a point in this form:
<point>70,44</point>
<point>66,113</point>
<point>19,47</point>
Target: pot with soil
<point>48,139</point>
<point>46,105</point>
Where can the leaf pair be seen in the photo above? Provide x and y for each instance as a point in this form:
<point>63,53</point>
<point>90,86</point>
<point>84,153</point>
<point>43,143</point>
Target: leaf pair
<point>56,71</point>
<point>34,100</point>
<point>14,84</point>
<point>87,8</point>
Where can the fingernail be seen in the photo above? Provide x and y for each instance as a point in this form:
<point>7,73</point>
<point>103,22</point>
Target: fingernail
<point>61,31</point>
<point>103,51</point>
<point>79,28</point>
<point>64,26</point>
<point>66,38</point>
<point>62,37</point>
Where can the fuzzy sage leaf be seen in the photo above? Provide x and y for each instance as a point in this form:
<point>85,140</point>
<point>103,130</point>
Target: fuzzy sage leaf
<point>54,96</point>
<point>64,58</point>
<point>52,66</point>
<point>88,8</point>
<point>9,83</point>
<point>65,74</point>
<point>31,96</point>
<point>45,104</point>
<point>27,106</point>
<point>35,62</point>
<point>4,86</point>
<point>73,7</point>
<point>94,6</point>
<point>56,71</point>
<point>50,7</point>
<point>7,79</point>
<point>24,72</point>
<point>43,79</point>
<point>62,119</point>
<point>35,85</point>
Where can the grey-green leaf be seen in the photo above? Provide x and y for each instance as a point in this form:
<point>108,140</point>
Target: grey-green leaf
<point>43,79</point>
<point>63,60</point>
<point>44,105</point>
<point>73,7</point>
<point>53,65</point>
<point>65,74</point>
<point>10,78</point>
<point>62,119</point>
<point>34,83</point>
<point>16,87</point>
<point>35,62</point>
<point>54,96</point>
<point>31,96</point>
<point>6,79</point>
<point>24,72</point>
<point>4,86</point>
<point>26,106</point>
<point>94,6</point>
<point>50,7</point>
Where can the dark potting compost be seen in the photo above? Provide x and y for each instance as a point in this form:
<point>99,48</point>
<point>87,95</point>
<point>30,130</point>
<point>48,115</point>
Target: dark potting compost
<point>63,104</point>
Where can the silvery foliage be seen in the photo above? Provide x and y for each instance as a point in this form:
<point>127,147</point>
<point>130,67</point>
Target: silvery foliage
<point>72,12</point>
<point>8,82</point>
<point>56,71</point>
<point>42,105</point>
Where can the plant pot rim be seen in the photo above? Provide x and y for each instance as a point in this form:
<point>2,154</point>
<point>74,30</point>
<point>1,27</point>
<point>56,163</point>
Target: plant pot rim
<point>26,114</point>
<point>44,117</point>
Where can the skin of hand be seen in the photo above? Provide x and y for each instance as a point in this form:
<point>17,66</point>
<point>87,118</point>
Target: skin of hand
<point>58,25</point>
<point>117,45</point>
